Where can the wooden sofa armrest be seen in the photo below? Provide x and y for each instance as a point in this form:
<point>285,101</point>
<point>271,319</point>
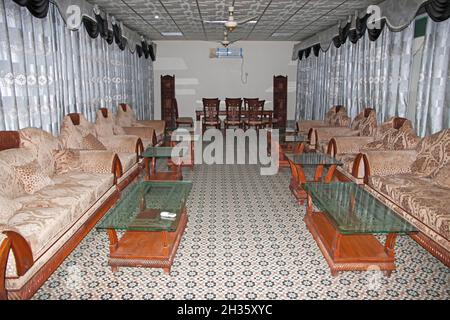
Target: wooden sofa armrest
<point>383,163</point>
<point>12,240</point>
<point>5,247</point>
<point>141,132</point>
<point>347,144</point>
<point>122,143</point>
<point>101,161</point>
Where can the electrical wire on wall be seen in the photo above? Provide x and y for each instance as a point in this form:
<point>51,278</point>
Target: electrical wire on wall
<point>244,77</point>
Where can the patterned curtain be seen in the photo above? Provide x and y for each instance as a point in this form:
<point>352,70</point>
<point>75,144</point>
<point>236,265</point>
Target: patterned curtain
<point>47,71</point>
<point>366,74</point>
<point>433,100</point>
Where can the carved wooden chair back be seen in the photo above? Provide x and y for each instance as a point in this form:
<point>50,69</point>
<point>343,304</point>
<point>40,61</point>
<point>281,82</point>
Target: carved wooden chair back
<point>211,109</point>
<point>234,109</point>
<point>255,110</point>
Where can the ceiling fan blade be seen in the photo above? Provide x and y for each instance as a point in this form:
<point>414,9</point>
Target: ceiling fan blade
<point>255,18</point>
<point>215,21</point>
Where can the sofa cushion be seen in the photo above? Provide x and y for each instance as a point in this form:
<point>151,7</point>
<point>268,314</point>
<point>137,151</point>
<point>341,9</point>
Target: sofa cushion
<point>32,177</point>
<point>90,142</point>
<point>46,215</point>
<point>67,160</point>
<point>424,200</point>
<point>433,153</point>
<point>100,183</point>
<point>7,208</point>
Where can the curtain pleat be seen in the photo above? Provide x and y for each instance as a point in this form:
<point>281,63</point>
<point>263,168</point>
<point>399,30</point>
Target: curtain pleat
<point>48,71</point>
<point>366,74</point>
<point>433,99</point>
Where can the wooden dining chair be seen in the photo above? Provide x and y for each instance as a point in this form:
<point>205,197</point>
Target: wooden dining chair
<point>185,121</point>
<point>254,114</point>
<point>210,113</point>
<point>234,112</point>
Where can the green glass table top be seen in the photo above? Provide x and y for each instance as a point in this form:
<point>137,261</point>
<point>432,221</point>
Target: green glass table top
<point>354,210</point>
<point>289,138</point>
<point>161,152</point>
<point>313,159</point>
<point>140,208</point>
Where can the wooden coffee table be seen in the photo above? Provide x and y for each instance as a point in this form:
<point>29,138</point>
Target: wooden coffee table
<point>344,227</point>
<point>148,239</point>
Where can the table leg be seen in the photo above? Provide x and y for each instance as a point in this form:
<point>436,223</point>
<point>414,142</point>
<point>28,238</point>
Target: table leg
<point>390,244</point>
<point>113,244</point>
<point>330,173</point>
<point>318,173</point>
<point>147,168</point>
<point>153,167</point>
<point>301,175</point>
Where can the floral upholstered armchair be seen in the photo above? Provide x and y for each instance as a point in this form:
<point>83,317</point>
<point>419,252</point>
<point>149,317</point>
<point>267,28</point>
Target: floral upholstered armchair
<point>78,133</point>
<point>364,124</point>
<point>105,126</point>
<point>336,116</point>
<point>126,118</point>
<point>50,197</point>
<point>394,134</point>
<point>417,182</point>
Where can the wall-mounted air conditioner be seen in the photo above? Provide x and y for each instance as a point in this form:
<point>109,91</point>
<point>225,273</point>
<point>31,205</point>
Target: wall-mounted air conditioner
<point>231,53</point>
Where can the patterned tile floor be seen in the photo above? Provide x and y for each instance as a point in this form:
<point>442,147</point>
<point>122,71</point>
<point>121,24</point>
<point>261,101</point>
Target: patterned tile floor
<point>245,240</point>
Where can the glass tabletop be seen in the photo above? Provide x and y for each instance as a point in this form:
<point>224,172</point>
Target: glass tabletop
<point>313,159</point>
<point>140,209</point>
<point>161,152</point>
<point>354,210</point>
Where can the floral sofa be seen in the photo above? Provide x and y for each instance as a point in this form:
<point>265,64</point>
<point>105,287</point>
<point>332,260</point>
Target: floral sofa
<point>126,118</point>
<point>364,124</point>
<point>417,184</point>
<point>336,116</point>
<point>78,133</point>
<point>394,134</point>
<point>105,126</point>
<point>50,197</point>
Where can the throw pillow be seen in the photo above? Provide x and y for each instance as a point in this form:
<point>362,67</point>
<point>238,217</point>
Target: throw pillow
<point>92,143</point>
<point>67,160</point>
<point>7,208</point>
<point>32,177</point>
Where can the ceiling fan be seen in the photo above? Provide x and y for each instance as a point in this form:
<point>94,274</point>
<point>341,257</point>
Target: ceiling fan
<point>226,42</point>
<point>231,24</point>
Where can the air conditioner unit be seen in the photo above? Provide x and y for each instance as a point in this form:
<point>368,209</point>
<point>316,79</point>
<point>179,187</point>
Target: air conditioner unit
<point>231,53</point>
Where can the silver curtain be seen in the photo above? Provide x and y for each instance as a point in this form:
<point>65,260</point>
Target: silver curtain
<point>47,71</point>
<point>433,100</point>
<point>366,74</point>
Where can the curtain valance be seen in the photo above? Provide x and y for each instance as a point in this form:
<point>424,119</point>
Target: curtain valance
<point>395,14</point>
<point>95,23</point>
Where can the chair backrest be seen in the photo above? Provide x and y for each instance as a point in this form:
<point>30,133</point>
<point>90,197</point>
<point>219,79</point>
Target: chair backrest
<point>175,107</point>
<point>211,109</point>
<point>249,100</point>
<point>234,109</point>
<point>255,109</point>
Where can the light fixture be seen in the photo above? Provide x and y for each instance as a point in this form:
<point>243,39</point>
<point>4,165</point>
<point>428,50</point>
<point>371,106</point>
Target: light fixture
<point>172,34</point>
<point>230,25</point>
<point>281,34</point>
<point>156,17</point>
<point>96,10</point>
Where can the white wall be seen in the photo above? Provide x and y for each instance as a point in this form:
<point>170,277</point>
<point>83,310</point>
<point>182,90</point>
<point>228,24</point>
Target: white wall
<point>197,76</point>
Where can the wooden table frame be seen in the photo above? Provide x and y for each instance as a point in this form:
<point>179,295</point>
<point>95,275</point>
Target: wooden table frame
<point>298,177</point>
<point>355,252</point>
<point>176,172</point>
<point>148,249</point>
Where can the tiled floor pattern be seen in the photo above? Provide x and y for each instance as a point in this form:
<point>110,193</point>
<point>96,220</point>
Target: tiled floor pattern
<point>246,239</point>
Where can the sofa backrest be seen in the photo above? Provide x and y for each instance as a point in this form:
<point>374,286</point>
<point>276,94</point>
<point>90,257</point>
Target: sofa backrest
<point>367,123</point>
<point>24,146</point>
<point>334,114</point>
<point>125,116</point>
<point>73,128</point>
<point>43,145</point>
<point>433,153</point>
<point>104,123</point>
